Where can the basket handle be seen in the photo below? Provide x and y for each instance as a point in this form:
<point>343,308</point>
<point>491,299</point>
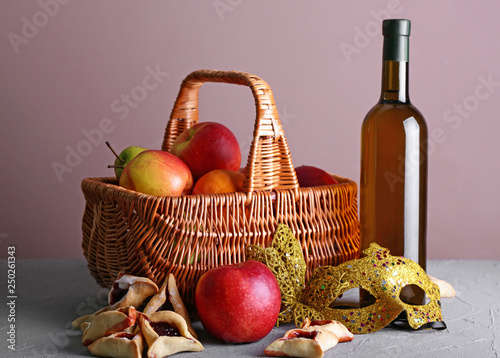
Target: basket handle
<point>269,165</point>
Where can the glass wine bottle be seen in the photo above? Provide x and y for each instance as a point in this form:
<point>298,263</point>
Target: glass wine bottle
<point>393,183</point>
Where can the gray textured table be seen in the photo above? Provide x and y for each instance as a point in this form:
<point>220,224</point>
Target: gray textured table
<point>50,294</point>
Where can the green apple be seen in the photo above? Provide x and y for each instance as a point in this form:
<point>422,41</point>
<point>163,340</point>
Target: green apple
<point>124,158</point>
<point>157,172</point>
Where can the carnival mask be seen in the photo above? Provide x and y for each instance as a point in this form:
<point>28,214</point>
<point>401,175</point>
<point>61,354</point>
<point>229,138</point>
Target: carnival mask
<point>379,273</point>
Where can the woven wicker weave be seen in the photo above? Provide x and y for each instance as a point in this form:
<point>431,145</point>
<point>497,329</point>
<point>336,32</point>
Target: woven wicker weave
<point>153,236</point>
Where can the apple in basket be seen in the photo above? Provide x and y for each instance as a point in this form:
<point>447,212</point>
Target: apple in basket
<point>124,158</point>
<point>308,176</point>
<point>238,303</point>
<point>207,146</point>
<point>156,172</point>
<point>219,181</point>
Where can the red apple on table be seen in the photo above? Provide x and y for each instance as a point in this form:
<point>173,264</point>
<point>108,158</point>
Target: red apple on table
<point>238,303</point>
<point>156,172</point>
<point>308,176</point>
<point>207,146</point>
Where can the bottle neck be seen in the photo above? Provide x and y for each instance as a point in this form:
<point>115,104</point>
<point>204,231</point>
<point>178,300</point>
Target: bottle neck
<point>395,82</point>
<point>395,69</point>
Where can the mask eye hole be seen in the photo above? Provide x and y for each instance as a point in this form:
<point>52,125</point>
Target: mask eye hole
<point>413,295</point>
<point>353,298</point>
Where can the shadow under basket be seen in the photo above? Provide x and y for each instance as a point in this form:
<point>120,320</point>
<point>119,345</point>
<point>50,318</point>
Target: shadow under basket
<point>152,236</point>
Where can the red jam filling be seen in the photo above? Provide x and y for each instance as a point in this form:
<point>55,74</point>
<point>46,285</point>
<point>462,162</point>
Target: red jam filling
<point>116,294</point>
<point>164,329</point>
<point>302,334</point>
<point>125,335</point>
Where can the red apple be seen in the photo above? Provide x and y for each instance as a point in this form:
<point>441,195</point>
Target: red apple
<point>207,146</point>
<point>308,175</point>
<point>238,303</point>
<point>156,172</point>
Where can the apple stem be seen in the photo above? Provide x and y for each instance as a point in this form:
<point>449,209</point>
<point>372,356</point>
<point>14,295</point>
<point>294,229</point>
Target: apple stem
<point>116,166</point>
<point>116,155</point>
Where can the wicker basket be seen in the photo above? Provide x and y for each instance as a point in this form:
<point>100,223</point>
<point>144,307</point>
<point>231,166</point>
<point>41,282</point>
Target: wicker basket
<point>152,236</point>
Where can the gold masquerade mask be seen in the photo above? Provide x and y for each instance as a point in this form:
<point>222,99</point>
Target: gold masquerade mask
<point>379,273</point>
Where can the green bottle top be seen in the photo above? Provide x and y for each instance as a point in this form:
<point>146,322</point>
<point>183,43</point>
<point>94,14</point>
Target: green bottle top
<point>396,39</point>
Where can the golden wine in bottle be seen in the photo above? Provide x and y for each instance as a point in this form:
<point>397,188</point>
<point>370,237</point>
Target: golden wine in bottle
<point>393,183</point>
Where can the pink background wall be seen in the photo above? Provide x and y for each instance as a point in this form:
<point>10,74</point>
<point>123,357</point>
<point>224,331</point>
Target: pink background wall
<point>68,67</point>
